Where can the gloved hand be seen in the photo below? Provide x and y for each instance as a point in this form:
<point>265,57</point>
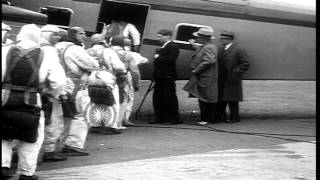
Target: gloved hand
<point>47,106</point>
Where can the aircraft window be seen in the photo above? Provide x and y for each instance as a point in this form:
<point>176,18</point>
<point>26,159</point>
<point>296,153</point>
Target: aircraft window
<point>57,15</point>
<point>184,32</point>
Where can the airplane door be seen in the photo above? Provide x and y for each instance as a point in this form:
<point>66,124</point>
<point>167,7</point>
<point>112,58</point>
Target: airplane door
<point>133,13</point>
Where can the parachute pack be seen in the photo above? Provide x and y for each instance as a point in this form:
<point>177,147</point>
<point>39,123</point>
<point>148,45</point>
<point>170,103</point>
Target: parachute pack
<point>100,85</point>
<point>20,112</point>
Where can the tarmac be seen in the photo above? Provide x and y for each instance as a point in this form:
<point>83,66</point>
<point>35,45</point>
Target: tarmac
<point>263,99</point>
<point>292,161</point>
<point>275,140</point>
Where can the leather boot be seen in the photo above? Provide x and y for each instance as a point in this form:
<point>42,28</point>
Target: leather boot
<point>5,173</point>
<point>115,131</point>
<point>95,130</point>
<point>24,177</point>
<point>53,157</point>
<point>73,151</point>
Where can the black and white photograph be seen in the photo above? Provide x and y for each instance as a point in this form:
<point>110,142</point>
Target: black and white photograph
<point>158,90</point>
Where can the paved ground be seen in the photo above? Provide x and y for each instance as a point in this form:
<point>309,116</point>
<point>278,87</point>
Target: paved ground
<point>292,161</point>
<point>274,141</point>
<point>262,99</point>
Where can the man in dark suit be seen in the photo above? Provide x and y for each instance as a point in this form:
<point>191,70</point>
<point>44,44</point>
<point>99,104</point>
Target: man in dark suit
<point>165,101</point>
<point>233,62</point>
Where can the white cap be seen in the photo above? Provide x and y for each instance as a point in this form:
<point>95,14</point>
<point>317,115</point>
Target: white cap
<point>50,28</point>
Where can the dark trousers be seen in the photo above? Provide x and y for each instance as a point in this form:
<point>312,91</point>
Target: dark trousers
<point>165,101</point>
<point>208,111</point>
<point>234,110</point>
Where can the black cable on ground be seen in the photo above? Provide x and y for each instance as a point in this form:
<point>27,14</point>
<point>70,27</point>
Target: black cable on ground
<point>208,128</point>
<point>257,134</point>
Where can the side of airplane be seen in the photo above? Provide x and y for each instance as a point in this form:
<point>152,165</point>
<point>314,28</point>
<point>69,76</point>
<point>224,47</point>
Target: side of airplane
<point>279,38</point>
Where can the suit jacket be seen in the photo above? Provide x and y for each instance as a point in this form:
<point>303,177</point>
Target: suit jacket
<point>165,63</point>
<point>203,82</point>
<point>233,62</point>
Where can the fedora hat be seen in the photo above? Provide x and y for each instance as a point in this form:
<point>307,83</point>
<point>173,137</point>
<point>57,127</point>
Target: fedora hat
<point>227,35</point>
<point>204,32</point>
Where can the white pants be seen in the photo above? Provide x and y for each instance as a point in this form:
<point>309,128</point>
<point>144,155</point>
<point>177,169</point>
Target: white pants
<point>71,132</point>
<point>116,105</point>
<point>27,152</point>
<point>57,130</point>
<point>79,126</point>
<point>126,106</point>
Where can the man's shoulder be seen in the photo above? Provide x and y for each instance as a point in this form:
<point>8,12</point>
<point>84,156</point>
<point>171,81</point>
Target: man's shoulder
<point>75,48</point>
<point>210,46</point>
<point>172,45</point>
<point>63,43</point>
<point>49,49</point>
<point>110,51</point>
<point>129,25</point>
<point>238,47</point>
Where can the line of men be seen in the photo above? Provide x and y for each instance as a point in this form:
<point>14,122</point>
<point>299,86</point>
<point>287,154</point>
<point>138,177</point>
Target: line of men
<point>216,77</point>
<point>67,70</point>
<point>56,101</point>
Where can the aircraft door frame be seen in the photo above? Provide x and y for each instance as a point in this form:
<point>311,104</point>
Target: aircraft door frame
<point>134,13</point>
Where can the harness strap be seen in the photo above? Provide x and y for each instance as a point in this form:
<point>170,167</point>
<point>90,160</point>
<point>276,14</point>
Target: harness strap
<point>11,63</point>
<point>62,59</point>
<point>18,88</point>
<point>77,87</point>
<point>33,77</point>
<point>36,67</point>
<point>123,57</point>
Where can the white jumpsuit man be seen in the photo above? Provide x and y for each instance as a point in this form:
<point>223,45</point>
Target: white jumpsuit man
<point>124,29</point>
<point>51,72</point>
<point>110,61</point>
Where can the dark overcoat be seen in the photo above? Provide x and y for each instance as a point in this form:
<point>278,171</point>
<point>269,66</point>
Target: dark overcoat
<point>203,82</point>
<point>233,62</point>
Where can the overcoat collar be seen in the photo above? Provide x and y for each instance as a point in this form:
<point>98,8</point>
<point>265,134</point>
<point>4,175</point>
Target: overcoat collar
<point>229,49</point>
<point>199,49</point>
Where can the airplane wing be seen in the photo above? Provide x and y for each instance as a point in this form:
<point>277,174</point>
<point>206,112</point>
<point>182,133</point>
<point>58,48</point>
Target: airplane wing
<point>17,14</point>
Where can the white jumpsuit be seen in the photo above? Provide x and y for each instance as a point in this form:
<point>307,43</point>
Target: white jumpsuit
<point>71,132</point>
<point>110,61</point>
<point>127,30</point>
<point>50,71</point>
<point>131,61</point>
